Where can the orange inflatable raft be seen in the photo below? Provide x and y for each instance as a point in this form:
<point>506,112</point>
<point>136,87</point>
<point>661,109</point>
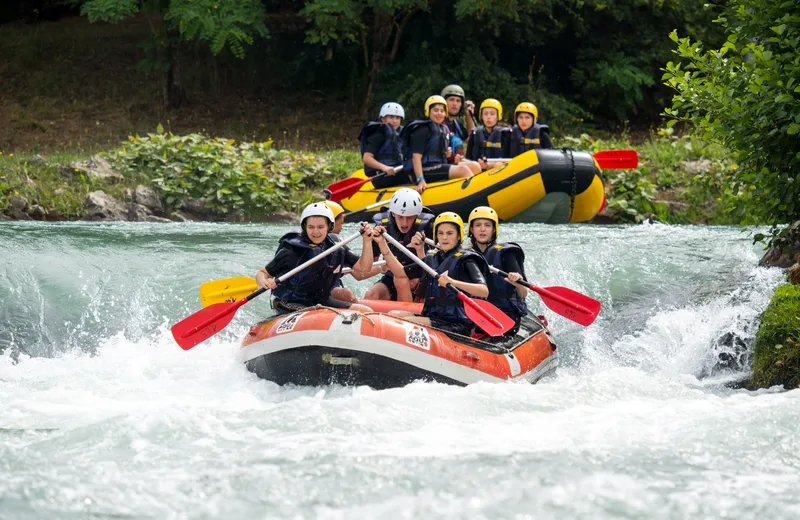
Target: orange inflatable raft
<point>321,346</point>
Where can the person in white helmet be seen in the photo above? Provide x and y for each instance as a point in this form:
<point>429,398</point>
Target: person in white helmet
<point>380,147</point>
<point>404,217</point>
<point>313,285</point>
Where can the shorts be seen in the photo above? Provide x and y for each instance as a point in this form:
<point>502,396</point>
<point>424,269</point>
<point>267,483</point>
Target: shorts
<point>387,181</point>
<point>437,172</point>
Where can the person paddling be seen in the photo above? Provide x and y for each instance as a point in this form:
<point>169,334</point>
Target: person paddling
<point>313,285</point>
<point>339,291</point>
<point>465,269</point>
<point>404,218</point>
<point>507,296</point>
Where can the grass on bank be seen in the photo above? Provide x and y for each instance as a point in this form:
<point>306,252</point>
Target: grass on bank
<point>679,179</point>
<point>776,360</point>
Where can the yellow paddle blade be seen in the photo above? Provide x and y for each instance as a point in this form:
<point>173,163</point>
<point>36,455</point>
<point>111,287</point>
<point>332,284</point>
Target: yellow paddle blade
<point>226,290</point>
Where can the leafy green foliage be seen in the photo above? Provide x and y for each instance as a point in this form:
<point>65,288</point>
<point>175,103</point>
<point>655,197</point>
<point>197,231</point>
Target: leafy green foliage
<point>746,96</point>
<point>231,175</point>
<point>231,23</point>
<point>776,360</point>
<point>220,24</point>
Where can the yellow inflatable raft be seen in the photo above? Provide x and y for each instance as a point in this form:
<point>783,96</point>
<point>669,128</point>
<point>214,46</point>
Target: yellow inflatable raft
<point>553,186</point>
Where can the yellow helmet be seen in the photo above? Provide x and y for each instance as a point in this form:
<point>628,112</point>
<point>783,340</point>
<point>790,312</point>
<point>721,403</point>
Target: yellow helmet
<point>528,107</point>
<point>492,103</point>
<point>483,212</point>
<point>449,217</point>
<point>335,207</point>
<point>433,100</point>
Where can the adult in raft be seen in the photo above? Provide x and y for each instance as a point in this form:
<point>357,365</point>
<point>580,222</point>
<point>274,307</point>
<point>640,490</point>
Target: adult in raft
<point>507,296</point>
<point>426,148</point>
<point>380,147</point>
<point>404,218</point>
<point>459,129</point>
<point>313,285</point>
<point>465,269</point>
<point>527,134</point>
<point>490,140</point>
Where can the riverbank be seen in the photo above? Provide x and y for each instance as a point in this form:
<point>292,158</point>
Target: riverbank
<point>679,179</point>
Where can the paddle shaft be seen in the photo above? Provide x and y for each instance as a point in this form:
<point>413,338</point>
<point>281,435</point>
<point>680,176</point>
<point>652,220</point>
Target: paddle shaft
<point>428,269</point>
<point>280,280</point>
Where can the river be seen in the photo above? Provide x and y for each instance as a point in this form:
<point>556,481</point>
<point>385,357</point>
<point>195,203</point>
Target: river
<point>102,415</point>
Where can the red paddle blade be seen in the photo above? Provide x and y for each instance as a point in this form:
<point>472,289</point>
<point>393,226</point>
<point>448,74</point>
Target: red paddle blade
<point>617,159</point>
<point>571,304</point>
<point>345,188</point>
<point>204,323</point>
<point>492,320</point>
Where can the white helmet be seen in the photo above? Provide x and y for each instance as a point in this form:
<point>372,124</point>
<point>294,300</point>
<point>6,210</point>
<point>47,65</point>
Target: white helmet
<point>317,209</point>
<point>392,109</point>
<point>406,202</point>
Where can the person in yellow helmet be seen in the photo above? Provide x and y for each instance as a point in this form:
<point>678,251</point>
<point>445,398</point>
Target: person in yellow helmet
<point>527,134</point>
<point>463,268</point>
<point>426,147</point>
<point>483,227</point>
<point>338,215</point>
<point>339,291</point>
<point>490,140</point>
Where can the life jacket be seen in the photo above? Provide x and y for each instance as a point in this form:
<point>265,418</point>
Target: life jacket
<point>435,150</point>
<point>440,302</point>
<point>528,140</point>
<point>423,222</point>
<point>489,146</point>
<point>501,293</point>
<point>389,152</point>
<point>313,284</point>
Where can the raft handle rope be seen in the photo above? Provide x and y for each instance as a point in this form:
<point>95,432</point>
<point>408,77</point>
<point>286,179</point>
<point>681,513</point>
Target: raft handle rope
<point>574,190</point>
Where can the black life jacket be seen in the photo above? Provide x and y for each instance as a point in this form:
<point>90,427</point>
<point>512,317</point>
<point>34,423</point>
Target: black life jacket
<point>456,128</point>
<point>435,150</point>
<point>522,142</point>
<point>389,153</point>
<point>440,302</point>
<point>486,145</point>
<point>501,293</point>
<point>313,284</point>
<point>423,222</point>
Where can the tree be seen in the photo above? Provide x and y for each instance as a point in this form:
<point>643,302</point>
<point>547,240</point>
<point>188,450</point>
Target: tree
<point>230,24</point>
<point>746,95</point>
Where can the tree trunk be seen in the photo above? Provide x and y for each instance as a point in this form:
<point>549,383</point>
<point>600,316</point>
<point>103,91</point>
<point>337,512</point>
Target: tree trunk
<point>174,89</point>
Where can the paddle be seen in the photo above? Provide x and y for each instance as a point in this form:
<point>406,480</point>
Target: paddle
<point>206,322</point>
<point>611,159</point>
<point>564,301</point>
<point>571,304</point>
<point>381,203</point>
<point>232,289</point>
<point>617,159</point>
<point>348,187</point>
<point>485,315</point>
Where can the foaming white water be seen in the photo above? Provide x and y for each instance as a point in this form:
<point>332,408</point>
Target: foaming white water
<point>117,421</point>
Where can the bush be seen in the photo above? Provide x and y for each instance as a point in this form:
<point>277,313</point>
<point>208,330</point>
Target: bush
<point>745,95</point>
<point>231,175</point>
